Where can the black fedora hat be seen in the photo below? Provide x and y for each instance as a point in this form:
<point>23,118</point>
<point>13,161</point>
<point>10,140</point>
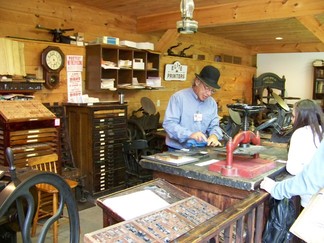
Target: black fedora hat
<point>209,75</point>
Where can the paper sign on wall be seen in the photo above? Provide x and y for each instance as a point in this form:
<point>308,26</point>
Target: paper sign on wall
<point>74,67</point>
<point>74,86</point>
<point>74,63</point>
<point>175,71</point>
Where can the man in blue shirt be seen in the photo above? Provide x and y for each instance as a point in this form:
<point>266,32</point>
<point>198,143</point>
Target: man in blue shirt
<point>192,114</point>
<point>309,181</point>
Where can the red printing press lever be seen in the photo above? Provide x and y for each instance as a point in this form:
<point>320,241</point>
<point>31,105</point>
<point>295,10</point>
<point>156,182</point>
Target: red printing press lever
<point>244,137</point>
<point>244,166</point>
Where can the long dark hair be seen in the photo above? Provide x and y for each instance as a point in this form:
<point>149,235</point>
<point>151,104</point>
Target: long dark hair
<point>308,113</point>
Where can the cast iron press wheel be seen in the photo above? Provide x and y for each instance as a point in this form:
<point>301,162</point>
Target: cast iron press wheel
<point>135,130</point>
<point>19,192</point>
<point>276,115</point>
<point>148,106</point>
<point>246,110</point>
<point>280,102</point>
<point>266,124</point>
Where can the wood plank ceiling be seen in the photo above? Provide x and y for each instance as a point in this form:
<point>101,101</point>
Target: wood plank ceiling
<point>251,22</point>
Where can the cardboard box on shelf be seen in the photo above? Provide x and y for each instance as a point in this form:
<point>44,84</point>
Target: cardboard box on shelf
<point>108,40</point>
<point>149,65</point>
<point>78,43</point>
<point>138,63</point>
<point>125,63</point>
<point>145,45</point>
<point>128,43</point>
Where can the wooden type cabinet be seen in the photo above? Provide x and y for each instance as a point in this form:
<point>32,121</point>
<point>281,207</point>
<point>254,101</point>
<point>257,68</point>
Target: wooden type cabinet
<point>120,72</point>
<point>318,86</point>
<point>97,133</point>
<point>29,129</point>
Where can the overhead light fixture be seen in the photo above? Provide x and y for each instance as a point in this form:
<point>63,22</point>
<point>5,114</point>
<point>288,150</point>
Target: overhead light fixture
<point>187,25</point>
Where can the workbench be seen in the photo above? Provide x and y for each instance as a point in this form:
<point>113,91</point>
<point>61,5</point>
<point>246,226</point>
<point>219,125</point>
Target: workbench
<point>220,191</point>
<point>242,204</point>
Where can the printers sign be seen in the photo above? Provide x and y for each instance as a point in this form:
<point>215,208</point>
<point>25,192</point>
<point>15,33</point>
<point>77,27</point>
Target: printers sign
<point>175,71</point>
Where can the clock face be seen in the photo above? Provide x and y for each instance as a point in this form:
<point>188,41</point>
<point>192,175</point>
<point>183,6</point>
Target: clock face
<point>54,59</point>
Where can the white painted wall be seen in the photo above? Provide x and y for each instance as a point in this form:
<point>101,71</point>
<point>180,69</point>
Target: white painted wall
<point>297,69</point>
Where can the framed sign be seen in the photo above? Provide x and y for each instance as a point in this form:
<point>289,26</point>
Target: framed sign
<point>175,71</point>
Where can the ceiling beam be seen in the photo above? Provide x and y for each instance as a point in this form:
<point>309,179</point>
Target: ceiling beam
<point>168,38</point>
<point>234,13</point>
<point>311,23</point>
<point>288,48</point>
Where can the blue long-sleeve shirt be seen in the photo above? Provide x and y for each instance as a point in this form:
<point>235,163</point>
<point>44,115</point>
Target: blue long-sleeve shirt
<point>309,181</point>
<point>179,120</point>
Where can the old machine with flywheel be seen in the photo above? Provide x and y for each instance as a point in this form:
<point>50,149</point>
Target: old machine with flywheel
<point>18,201</point>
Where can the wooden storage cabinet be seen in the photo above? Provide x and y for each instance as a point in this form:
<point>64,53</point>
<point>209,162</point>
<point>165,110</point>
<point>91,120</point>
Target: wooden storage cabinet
<point>30,129</point>
<point>121,74</point>
<point>41,138</point>
<point>318,88</point>
<point>97,133</point>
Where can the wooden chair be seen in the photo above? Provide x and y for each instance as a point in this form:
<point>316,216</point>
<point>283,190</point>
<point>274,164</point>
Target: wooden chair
<point>48,195</point>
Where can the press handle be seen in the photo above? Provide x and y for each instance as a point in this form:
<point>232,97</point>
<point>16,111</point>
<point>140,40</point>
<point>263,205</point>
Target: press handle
<point>10,159</point>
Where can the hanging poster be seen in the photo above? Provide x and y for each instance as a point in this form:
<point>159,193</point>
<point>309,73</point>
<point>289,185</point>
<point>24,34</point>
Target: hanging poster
<point>74,86</point>
<point>175,71</point>
<point>74,67</point>
<point>74,63</point>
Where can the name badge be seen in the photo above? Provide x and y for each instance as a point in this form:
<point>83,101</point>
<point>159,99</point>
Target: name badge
<point>198,117</point>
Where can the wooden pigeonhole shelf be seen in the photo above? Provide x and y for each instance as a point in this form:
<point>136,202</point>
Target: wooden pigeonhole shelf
<point>29,128</point>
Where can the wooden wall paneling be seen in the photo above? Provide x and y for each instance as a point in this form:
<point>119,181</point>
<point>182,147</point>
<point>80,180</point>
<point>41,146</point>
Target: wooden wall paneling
<point>211,46</point>
<point>32,59</point>
<point>170,36</point>
<point>94,22</point>
<point>235,81</point>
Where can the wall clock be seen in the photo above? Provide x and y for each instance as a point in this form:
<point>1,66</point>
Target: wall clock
<point>52,60</point>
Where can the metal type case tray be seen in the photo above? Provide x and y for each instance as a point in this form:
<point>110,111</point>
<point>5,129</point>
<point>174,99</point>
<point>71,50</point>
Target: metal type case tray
<point>163,225</point>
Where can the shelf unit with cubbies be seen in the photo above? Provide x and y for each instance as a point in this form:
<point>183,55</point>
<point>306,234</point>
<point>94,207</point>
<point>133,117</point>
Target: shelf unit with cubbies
<point>318,86</point>
<point>118,66</point>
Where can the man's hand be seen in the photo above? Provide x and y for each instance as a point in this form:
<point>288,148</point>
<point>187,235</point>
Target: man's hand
<point>199,137</point>
<point>267,184</point>
<point>213,141</point>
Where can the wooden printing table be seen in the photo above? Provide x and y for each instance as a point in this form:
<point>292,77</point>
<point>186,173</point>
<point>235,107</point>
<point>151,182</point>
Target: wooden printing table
<point>220,191</point>
<point>238,198</point>
<point>212,187</point>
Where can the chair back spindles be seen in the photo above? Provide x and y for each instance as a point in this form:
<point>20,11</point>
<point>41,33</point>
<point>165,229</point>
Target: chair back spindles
<point>47,163</point>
